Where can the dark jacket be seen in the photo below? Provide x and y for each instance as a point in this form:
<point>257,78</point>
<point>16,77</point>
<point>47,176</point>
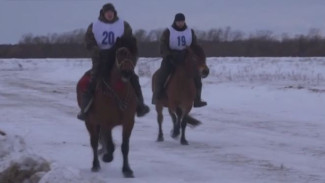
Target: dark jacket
<point>103,60</point>
<point>90,38</point>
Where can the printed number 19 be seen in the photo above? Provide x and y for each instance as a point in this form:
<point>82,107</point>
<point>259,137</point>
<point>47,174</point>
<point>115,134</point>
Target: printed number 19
<point>108,38</point>
<point>181,40</point>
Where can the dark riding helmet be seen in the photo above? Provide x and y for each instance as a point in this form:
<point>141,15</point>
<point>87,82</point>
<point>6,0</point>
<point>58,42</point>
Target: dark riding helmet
<point>108,7</point>
<point>179,17</point>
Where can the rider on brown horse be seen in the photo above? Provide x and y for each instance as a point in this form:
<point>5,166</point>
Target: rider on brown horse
<point>173,43</point>
<point>100,39</point>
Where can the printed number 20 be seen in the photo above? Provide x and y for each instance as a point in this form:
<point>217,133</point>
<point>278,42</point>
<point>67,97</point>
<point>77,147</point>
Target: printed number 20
<point>181,40</point>
<point>108,38</point>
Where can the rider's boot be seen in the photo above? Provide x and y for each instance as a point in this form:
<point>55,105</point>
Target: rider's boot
<point>163,73</point>
<point>198,84</point>
<point>88,95</point>
<point>142,109</point>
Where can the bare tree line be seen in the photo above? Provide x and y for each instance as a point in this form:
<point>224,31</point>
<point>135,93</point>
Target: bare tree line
<point>216,42</point>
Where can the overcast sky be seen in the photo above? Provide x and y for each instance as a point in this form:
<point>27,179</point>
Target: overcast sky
<point>40,17</point>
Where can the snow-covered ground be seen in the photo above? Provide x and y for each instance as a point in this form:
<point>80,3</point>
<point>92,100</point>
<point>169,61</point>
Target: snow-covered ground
<point>265,122</point>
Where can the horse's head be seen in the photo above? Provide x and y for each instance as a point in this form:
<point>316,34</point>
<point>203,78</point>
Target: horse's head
<point>197,55</point>
<point>124,63</point>
<point>129,42</point>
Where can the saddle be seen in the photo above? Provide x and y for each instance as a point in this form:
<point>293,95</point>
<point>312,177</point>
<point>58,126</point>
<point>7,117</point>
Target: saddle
<point>83,83</point>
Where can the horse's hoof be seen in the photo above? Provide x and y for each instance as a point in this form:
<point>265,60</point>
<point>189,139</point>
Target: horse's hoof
<point>108,158</point>
<point>184,142</point>
<point>128,173</point>
<point>160,139</point>
<point>95,169</point>
<point>175,135</point>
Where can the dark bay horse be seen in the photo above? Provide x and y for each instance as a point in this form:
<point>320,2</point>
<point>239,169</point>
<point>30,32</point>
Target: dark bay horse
<point>181,92</point>
<point>114,103</point>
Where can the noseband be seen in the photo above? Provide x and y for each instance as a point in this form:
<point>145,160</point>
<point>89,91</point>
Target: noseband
<point>126,60</point>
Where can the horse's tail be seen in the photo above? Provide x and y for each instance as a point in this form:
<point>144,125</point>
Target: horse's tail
<point>192,121</point>
<point>2,133</point>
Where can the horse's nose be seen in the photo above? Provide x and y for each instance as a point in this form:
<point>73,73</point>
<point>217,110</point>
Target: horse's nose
<point>205,72</point>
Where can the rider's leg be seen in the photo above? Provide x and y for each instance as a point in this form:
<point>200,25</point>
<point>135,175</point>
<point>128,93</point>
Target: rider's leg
<point>142,108</point>
<point>198,84</point>
<point>165,69</point>
<point>88,95</point>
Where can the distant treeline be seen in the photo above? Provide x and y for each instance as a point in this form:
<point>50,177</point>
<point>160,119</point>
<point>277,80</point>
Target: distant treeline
<point>216,42</point>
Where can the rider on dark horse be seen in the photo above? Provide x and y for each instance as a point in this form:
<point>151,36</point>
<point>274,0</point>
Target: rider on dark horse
<point>100,39</point>
<point>173,44</point>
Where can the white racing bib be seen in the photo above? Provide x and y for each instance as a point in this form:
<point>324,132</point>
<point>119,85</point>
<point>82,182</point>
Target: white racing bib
<point>179,40</point>
<point>106,34</point>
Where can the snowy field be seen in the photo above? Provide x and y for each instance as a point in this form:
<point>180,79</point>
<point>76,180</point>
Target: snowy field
<point>264,123</point>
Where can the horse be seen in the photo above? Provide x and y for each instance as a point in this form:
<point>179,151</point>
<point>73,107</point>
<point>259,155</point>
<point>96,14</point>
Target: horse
<point>114,103</point>
<point>180,92</point>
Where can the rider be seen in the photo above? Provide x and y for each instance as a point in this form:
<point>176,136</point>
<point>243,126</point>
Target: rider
<point>173,43</point>
<point>100,38</point>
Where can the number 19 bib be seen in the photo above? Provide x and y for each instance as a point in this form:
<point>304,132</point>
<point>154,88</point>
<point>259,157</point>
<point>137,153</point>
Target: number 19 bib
<point>106,34</point>
<point>178,40</point>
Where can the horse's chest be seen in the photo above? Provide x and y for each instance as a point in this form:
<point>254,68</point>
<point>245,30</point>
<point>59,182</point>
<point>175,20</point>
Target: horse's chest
<point>119,86</point>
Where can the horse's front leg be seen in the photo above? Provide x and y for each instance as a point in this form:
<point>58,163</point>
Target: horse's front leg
<point>127,171</point>
<point>176,124</point>
<point>160,119</point>
<point>108,145</point>
<point>183,124</point>
<point>94,137</point>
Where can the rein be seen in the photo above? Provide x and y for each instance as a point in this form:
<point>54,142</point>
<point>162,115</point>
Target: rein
<point>122,103</point>
<point>118,65</point>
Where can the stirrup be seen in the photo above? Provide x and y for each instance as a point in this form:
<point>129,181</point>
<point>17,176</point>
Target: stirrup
<point>199,103</point>
<point>83,113</point>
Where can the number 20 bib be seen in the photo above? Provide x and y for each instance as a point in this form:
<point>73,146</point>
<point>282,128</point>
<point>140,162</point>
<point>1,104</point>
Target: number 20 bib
<point>106,34</point>
<point>178,40</point>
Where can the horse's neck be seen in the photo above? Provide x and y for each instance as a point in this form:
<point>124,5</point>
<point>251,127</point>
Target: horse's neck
<point>185,70</point>
<point>114,75</point>
<point>182,84</point>
<point>114,82</point>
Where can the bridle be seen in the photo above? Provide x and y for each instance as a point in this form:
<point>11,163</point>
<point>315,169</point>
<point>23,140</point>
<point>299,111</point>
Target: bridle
<point>122,103</point>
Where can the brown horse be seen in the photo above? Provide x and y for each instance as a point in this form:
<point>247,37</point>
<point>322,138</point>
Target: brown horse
<point>114,104</point>
<point>180,92</point>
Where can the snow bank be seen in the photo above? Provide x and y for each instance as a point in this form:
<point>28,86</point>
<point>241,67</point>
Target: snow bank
<point>19,165</point>
<point>60,174</point>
